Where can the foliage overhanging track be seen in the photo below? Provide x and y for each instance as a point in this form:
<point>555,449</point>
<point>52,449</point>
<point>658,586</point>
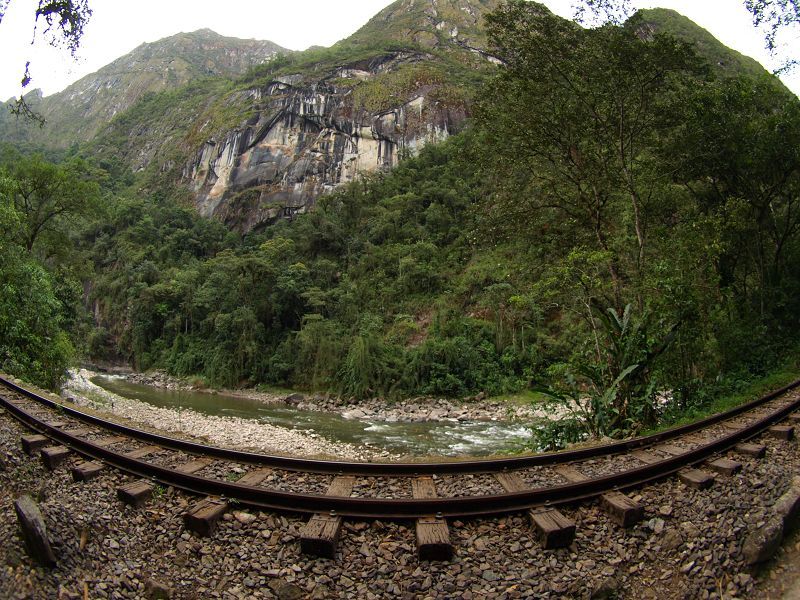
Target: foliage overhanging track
<point>268,498</point>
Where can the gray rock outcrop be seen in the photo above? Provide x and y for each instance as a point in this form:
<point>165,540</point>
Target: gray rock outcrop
<point>304,139</point>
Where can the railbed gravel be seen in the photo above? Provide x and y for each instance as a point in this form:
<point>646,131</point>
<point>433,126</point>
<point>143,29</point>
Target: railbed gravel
<point>382,487</point>
<point>607,465</point>
<point>685,445</point>
<point>468,484</point>
<point>298,482</point>
<point>538,477</point>
<point>688,546</point>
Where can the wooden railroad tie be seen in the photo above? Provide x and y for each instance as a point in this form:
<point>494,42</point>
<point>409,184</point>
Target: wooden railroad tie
<point>794,419</point>
<point>433,535</point>
<point>725,466</point>
<point>56,424</point>
<point>254,477</point>
<point>32,443</point>
<point>646,457</point>
<point>754,450</point>
<point>696,478</point>
<point>692,477</point>
<point>77,432</point>
<point>34,531</point>
<point>84,471</point>
<point>203,516</point>
<point>193,466</point>
<point>621,508</point>
<point>733,426</point>
<point>781,432</point>
<point>136,494</point>
<point>142,452</point>
<point>553,529</point>
<point>700,440</point>
<point>320,535</point>
<point>53,456</point>
<point>671,449</point>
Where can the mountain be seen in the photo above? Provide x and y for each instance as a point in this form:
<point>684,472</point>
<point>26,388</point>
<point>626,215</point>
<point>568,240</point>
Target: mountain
<point>727,62</point>
<point>267,146</point>
<point>430,24</point>
<point>77,113</point>
<point>250,133</point>
<point>402,81</point>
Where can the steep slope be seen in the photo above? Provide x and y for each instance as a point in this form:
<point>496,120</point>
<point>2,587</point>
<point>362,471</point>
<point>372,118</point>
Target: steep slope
<point>82,109</point>
<point>727,61</point>
<point>313,120</point>
<point>251,146</point>
<point>430,24</point>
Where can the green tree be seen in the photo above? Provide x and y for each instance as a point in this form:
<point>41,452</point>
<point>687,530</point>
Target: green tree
<point>573,115</point>
<point>32,343</point>
<point>50,198</point>
<point>773,17</point>
<point>737,152</point>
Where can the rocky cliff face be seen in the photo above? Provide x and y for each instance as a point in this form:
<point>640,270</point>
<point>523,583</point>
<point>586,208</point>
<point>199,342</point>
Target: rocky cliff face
<point>305,138</point>
<point>308,134</point>
<point>253,149</point>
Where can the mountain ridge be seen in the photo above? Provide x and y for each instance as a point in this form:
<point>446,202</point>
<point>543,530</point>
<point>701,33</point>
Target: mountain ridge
<point>82,109</point>
<point>727,60</point>
<point>258,138</point>
<point>312,120</point>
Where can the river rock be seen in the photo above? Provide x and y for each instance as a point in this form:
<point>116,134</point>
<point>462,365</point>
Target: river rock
<point>355,413</point>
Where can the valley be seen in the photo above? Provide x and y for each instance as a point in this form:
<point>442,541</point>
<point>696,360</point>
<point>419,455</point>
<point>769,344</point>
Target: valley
<point>472,229</point>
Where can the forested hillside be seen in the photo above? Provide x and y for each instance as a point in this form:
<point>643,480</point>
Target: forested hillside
<point>618,221</point>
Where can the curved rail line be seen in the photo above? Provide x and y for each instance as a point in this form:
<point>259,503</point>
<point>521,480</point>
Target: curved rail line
<point>267,498</point>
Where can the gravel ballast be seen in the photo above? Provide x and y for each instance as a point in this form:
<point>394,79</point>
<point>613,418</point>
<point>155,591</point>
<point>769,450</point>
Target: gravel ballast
<point>688,546</point>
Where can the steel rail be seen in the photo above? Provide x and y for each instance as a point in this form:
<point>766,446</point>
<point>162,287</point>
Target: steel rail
<point>265,498</point>
<point>403,468</point>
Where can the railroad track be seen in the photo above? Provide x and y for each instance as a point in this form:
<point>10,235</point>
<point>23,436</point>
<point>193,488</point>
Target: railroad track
<point>429,492</point>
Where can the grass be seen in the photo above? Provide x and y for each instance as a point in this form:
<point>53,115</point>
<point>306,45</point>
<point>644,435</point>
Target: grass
<point>781,376</point>
<point>277,390</point>
<point>522,397</point>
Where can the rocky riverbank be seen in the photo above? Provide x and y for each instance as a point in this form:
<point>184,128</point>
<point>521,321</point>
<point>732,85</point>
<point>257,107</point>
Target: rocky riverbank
<point>231,432</point>
<point>413,410</point>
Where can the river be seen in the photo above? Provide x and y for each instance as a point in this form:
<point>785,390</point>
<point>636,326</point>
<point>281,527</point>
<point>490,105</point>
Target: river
<point>444,438</point>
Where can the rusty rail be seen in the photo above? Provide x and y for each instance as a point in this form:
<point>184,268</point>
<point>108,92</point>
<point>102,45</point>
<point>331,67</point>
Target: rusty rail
<point>266,498</point>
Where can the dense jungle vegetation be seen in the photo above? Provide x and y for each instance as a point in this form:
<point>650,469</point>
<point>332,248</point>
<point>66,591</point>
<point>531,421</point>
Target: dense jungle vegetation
<point>618,223</point>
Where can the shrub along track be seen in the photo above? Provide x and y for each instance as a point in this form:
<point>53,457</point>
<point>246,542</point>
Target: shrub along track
<point>430,492</point>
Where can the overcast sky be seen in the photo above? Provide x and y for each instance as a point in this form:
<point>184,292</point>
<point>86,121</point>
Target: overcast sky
<point>115,30</point>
